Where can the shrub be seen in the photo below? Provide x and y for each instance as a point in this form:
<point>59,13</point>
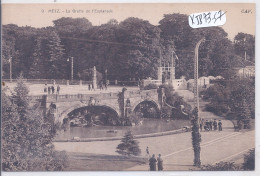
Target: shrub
<point>150,86</point>
<point>221,166</point>
<point>128,145</point>
<point>249,160</point>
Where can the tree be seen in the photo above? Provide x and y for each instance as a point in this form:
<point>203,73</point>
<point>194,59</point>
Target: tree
<point>249,160</point>
<point>196,137</point>
<point>56,63</point>
<point>245,46</point>
<point>27,135</point>
<point>38,66</point>
<point>128,145</point>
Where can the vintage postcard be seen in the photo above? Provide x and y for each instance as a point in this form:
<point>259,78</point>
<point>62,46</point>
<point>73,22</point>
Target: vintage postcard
<point>128,87</point>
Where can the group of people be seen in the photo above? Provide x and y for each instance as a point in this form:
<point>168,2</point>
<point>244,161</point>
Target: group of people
<point>210,125</point>
<point>102,86</point>
<point>91,87</point>
<point>51,89</point>
<point>153,161</point>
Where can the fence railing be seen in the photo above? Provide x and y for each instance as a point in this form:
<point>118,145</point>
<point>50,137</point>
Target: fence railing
<point>109,95</point>
<point>73,82</point>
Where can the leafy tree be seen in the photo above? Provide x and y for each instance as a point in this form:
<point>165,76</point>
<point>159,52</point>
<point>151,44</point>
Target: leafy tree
<point>57,63</point>
<point>245,44</point>
<point>249,160</point>
<point>38,66</point>
<point>139,59</point>
<point>27,135</point>
<point>235,97</point>
<point>68,25</point>
<point>128,145</point>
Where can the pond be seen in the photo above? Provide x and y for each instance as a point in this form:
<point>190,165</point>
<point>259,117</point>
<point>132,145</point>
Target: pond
<point>148,126</point>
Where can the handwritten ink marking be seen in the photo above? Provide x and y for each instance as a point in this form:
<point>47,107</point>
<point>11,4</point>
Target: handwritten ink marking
<point>207,19</point>
<point>219,14</point>
<point>192,19</point>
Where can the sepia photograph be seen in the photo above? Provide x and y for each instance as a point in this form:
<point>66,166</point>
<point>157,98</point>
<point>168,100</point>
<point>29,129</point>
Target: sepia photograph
<point>128,87</point>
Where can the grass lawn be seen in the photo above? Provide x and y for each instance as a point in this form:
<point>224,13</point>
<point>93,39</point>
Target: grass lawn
<point>94,162</point>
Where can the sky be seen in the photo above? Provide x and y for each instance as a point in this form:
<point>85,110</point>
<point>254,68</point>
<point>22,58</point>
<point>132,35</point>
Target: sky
<point>42,15</point>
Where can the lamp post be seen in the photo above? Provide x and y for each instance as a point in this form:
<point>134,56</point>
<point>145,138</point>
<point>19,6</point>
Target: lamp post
<point>196,74</point>
<point>106,76</point>
<point>10,61</point>
<point>196,137</point>
<point>71,69</point>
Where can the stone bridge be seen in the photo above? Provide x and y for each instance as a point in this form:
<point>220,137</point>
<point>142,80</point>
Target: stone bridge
<point>119,102</point>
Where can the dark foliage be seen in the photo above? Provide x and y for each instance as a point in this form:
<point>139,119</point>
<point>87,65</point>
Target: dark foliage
<point>249,160</point>
<point>236,97</point>
<point>129,146</point>
<point>196,137</point>
<point>150,86</point>
<point>27,135</point>
<point>222,166</point>
<point>129,49</point>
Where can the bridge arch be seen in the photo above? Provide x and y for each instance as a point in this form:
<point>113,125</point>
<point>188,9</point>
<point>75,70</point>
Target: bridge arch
<point>93,115</point>
<point>145,106</point>
<point>65,113</point>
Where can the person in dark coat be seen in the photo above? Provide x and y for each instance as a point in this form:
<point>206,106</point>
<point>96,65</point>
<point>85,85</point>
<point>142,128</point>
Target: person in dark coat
<point>106,85</point>
<point>147,151</point>
<point>215,124</point>
<point>45,88</point>
<point>89,87</point>
<point>152,163</point>
<point>160,163</point>
<point>52,89</point>
<point>206,126</point>
<point>220,125</point>
<point>58,89</point>
<point>201,126</point>
<point>210,124</point>
<point>93,87</point>
<point>49,90</point>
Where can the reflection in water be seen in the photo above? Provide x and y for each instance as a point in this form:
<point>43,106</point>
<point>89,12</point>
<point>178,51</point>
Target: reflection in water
<point>148,126</point>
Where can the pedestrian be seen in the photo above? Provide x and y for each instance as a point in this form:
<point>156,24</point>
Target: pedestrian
<point>106,83</point>
<point>201,126</point>
<point>52,89</point>
<point>89,88</point>
<point>45,88</point>
<point>210,124</point>
<point>58,89</point>
<point>220,125</point>
<point>152,163</point>
<point>49,90</point>
<point>93,87</point>
<point>147,151</point>
<point>215,124</point>
<point>206,126</point>
<point>160,163</point>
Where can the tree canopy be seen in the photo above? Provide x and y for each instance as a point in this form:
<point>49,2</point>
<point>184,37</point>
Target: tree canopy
<point>129,49</point>
<point>27,135</point>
